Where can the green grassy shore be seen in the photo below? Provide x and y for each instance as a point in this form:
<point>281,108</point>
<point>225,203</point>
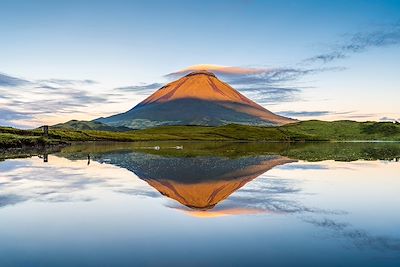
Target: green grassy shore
<point>297,132</point>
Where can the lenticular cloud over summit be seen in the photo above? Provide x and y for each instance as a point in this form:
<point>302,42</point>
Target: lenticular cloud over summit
<point>216,69</point>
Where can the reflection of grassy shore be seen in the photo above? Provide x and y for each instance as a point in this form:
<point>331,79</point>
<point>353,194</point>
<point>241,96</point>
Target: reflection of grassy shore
<point>297,132</point>
<point>297,151</point>
<point>308,151</point>
<point>344,151</point>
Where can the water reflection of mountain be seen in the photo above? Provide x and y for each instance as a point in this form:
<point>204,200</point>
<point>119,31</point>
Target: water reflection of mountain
<point>199,180</point>
<point>203,174</point>
<point>196,182</point>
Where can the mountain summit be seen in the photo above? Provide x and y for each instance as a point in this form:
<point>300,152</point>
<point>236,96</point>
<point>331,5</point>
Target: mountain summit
<point>199,98</point>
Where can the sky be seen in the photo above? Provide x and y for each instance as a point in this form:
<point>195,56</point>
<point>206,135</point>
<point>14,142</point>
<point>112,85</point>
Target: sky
<point>327,60</point>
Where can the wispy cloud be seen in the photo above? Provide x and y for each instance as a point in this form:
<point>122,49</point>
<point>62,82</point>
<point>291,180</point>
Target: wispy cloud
<point>26,104</point>
<point>65,82</point>
<point>276,85</point>
<point>291,113</point>
<point>316,113</point>
<point>141,89</point>
<point>276,75</point>
<point>255,76</point>
<point>359,42</point>
<point>9,116</point>
<point>389,119</point>
<point>272,95</point>
<point>264,85</point>
<point>353,114</point>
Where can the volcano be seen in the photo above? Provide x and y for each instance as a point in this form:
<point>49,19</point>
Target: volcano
<point>199,98</point>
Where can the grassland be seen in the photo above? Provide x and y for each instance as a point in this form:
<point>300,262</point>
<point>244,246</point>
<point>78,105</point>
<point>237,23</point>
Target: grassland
<point>298,132</point>
<point>88,125</point>
<point>14,138</point>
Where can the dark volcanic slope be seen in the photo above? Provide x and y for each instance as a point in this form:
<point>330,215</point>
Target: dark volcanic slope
<point>199,98</point>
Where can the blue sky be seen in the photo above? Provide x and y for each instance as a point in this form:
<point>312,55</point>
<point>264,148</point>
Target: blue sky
<point>326,60</point>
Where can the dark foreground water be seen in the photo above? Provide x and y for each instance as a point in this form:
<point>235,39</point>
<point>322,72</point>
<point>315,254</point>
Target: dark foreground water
<point>214,204</point>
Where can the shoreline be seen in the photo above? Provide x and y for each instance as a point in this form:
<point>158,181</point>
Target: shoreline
<point>64,144</point>
<point>307,151</point>
<point>301,132</point>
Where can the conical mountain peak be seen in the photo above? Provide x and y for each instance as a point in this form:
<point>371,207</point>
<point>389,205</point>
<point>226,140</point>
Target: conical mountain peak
<point>200,72</point>
<point>199,98</point>
<point>202,85</point>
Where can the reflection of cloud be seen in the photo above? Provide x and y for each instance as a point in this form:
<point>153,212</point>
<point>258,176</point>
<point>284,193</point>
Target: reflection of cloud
<point>263,195</point>
<point>10,199</point>
<point>361,41</point>
<point>360,238</point>
<point>60,181</point>
<point>145,192</point>
<point>219,212</point>
<point>63,180</point>
<point>305,167</point>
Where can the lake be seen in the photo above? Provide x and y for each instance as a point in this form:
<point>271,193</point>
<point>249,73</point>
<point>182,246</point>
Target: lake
<point>201,204</point>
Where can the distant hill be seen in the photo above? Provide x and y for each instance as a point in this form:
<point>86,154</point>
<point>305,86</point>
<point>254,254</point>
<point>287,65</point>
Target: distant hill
<point>198,98</point>
<point>89,125</point>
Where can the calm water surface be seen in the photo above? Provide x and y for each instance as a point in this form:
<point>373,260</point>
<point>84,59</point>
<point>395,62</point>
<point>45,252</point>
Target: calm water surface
<point>203,205</point>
